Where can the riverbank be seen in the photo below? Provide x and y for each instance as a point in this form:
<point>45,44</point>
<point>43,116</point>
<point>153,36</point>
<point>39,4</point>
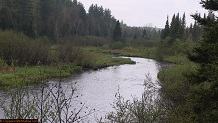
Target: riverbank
<point>173,79</point>
<point>142,52</point>
<point>95,58</point>
<point>10,76</point>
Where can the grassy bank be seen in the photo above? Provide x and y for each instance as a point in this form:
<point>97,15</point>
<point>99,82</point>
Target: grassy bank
<point>33,74</point>
<point>176,87</point>
<point>101,60</point>
<point>10,76</point>
<point>174,78</point>
<point>143,52</point>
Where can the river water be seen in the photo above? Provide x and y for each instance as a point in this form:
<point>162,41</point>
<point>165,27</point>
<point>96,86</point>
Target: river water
<point>97,88</point>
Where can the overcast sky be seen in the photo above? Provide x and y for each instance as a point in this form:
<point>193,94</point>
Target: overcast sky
<point>147,12</point>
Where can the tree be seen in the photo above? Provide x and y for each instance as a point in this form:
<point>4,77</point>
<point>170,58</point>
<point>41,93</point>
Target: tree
<point>23,11</point>
<point>196,33</point>
<point>181,34</point>
<point>117,34</point>
<point>204,96</point>
<point>144,34</point>
<point>6,20</point>
<point>135,36</point>
<point>166,31</point>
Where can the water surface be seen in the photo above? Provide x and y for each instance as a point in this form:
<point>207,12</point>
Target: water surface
<point>97,88</point>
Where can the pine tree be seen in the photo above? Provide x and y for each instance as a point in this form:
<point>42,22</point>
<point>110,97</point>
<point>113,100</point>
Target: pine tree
<point>135,36</point>
<point>144,34</point>
<point>172,26</point>
<point>6,21</point>
<point>48,17</point>
<point>182,28</point>
<point>117,34</point>
<point>204,96</point>
<point>23,13</point>
<point>196,32</point>
<point>166,31</point>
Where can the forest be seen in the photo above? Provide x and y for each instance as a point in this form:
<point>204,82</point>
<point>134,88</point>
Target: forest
<point>44,39</point>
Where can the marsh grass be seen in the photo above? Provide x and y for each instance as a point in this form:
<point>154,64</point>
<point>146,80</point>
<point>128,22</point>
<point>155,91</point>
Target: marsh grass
<point>30,74</point>
<point>144,52</point>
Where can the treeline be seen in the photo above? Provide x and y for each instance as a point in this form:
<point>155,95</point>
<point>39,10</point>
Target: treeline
<point>62,22</point>
<point>177,29</point>
<point>149,33</point>
<point>61,18</point>
<point>55,18</point>
<point>178,38</point>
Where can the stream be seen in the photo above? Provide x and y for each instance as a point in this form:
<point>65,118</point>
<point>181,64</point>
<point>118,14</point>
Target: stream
<point>97,88</point>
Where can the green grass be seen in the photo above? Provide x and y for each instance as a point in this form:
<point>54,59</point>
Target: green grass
<point>144,52</point>
<point>31,75</point>
<point>176,59</point>
<point>177,72</point>
<point>176,86</point>
<point>99,60</point>
<point>102,60</point>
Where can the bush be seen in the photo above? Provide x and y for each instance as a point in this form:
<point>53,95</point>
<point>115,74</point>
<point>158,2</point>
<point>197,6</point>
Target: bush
<point>78,69</point>
<point>149,109</point>
<point>86,40</point>
<point>16,48</point>
<point>117,45</point>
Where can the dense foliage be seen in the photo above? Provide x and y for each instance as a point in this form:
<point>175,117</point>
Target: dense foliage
<point>203,97</point>
<point>191,86</point>
<point>55,18</point>
<point>177,29</point>
<point>59,18</point>
<point>177,38</point>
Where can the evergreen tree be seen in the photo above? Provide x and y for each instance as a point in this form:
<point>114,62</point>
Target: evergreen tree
<point>117,34</point>
<point>6,20</point>
<point>172,26</point>
<point>144,34</point>
<point>204,96</point>
<point>196,32</point>
<point>175,27</point>
<point>166,31</point>
<point>46,12</point>
<point>23,15</point>
<point>135,36</point>
<point>182,28</point>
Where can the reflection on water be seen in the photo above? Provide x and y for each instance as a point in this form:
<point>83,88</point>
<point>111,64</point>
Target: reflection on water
<point>98,88</point>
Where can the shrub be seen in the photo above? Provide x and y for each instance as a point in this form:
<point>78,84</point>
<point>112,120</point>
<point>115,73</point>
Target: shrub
<point>3,65</point>
<point>117,45</point>
<point>16,48</point>
<point>77,69</point>
<point>148,109</point>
